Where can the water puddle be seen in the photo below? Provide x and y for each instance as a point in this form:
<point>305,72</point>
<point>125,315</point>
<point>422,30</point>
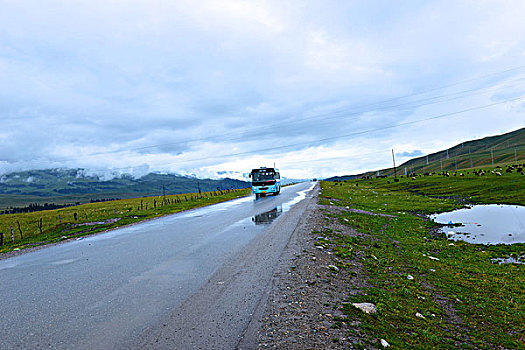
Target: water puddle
<point>485,224</point>
<point>268,217</point>
<point>63,262</point>
<point>509,260</point>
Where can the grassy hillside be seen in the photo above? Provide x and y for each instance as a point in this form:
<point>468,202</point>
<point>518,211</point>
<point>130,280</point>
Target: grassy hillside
<point>495,150</point>
<point>501,150</point>
<point>72,185</point>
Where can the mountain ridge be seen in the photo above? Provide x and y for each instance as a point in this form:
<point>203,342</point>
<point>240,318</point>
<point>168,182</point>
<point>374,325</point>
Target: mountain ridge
<point>77,185</point>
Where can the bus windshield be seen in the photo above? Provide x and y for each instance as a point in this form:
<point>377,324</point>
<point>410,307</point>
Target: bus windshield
<point>263,176</point>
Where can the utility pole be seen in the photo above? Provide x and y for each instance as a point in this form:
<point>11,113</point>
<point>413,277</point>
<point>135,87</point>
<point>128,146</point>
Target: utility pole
<point>427,159</point>
<point>515,156</point>
<point>441,160</point>
<point>394,160</point>
<point>447,154</point>
<point>492,156</point>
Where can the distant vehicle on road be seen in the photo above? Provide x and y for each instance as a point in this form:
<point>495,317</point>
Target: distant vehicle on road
<point>265,181</point>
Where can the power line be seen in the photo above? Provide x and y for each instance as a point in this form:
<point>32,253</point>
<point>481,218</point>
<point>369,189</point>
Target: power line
<point>333,114</point>
<point>440,116</point>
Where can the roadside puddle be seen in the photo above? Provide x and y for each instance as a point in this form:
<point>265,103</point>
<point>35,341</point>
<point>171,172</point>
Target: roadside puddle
<point>485,224</point>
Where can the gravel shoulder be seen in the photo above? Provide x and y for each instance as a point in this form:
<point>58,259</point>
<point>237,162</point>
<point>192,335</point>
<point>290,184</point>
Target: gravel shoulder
<point>302,309</point>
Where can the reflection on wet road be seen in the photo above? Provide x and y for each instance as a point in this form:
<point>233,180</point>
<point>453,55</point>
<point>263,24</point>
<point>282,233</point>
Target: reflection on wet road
<point>267,217</point>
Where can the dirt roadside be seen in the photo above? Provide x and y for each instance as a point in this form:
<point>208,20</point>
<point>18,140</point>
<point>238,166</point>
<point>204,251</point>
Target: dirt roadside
<point>303,306</point>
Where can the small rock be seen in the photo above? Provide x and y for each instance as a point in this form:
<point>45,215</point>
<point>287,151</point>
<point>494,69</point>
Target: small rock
<point>419,315</point>
<point>432,270</point>
<point>333,267</point>
<point>384,343</point>
<point>368,308</point>
<point>433,258</point>
<point>410,277</point>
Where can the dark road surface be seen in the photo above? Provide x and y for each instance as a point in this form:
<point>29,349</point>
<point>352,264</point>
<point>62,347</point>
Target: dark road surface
<point>186,281</point>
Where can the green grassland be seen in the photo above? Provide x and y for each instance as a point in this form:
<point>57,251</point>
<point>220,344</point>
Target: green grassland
<point>466,301</point>
<point>50,226</point>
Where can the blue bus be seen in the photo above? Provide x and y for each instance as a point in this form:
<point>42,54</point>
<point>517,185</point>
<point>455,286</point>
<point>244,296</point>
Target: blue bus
<point>265,181</point>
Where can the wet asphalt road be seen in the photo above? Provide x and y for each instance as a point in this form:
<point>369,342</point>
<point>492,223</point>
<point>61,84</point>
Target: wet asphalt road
<point>186,281</point>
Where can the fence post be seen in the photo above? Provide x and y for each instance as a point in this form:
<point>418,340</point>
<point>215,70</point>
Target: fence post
<point>12,235</point>
<point>20,230</point>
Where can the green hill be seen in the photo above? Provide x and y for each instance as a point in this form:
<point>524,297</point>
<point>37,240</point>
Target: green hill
<point>63,186</point>
<point>490,151</point>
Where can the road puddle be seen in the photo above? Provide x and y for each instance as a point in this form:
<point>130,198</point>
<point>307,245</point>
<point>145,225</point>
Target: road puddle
<point>63,262</point>
<point>485,224</point>
<point>268,217</point>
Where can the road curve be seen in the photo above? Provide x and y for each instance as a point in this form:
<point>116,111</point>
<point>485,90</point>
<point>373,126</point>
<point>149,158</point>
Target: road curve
<point>186,281</point>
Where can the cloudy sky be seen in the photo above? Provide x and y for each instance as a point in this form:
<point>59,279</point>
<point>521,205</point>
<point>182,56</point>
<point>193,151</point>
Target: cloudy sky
<point>214,88</point>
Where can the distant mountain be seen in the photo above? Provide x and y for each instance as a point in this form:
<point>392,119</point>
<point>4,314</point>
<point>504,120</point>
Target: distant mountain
<point>74,185</point>
<point>494,150</point>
